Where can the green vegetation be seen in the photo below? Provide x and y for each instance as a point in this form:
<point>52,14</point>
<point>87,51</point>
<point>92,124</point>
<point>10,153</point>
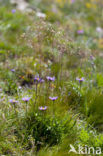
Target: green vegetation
<point>51,77</point>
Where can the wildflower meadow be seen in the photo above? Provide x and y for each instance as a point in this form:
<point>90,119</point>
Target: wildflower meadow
<point>51,77</point>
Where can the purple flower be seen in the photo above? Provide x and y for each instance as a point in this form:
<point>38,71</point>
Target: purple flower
<point>92,57</point>
<point>53,98</point>
<point>38,79</point>
<point>80,79</point>
<point>72,1</point>
<point>80,31</point>
<point>69,93</point>
<point>50,78</point>
<point>26,99</point>
<point>13,101</point>
<point>13,11</point>
<point>12,70</point>
<point>41,80</point>
<point>43,108</point>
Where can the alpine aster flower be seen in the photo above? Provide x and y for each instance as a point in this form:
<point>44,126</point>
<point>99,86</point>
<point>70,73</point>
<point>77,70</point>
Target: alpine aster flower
<point>38,79</point>
<point>13,11</point>
<point>26,99</point>
<point>12,70</point>
<point>91,57</point>
<point>53,108</point>
<point>69,93</point>
<point>13,101</point>
<point>80,79</point>
<point>50,78</point>
<point>41,80</point>
<point>80,31</point>
<point>43,108</point>
<point>53,98</point>
<point>72,1</point>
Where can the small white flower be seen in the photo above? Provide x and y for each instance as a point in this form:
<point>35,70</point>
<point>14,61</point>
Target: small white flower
<point>19,87</point>
<point>35,64</point>
<point>41,15</point>
<point>99,29</point>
